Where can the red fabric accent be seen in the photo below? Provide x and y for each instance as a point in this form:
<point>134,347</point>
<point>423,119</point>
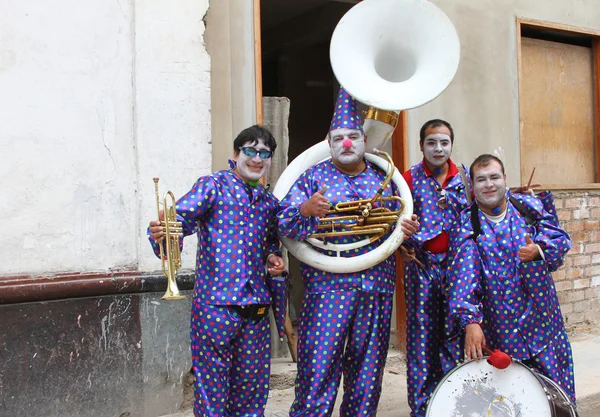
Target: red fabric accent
<point>452,171</point>
<point>438,244</point>
<point>408,178</point>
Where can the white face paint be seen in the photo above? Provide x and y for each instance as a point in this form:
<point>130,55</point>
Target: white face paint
<point>252,168</point>
<point>437,148</point>
<point>489,186</point>
<point>347,145</point>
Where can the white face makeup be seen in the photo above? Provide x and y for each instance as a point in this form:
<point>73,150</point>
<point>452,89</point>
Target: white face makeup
<point>252,168</point>
<point>347,145</point>
<point>489,186</point>
<point>437,148</point>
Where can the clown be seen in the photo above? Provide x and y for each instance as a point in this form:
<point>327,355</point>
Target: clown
<point>439,194</point>
<point>500,287</point>
<point>344,325</point>
<point>234,218</point>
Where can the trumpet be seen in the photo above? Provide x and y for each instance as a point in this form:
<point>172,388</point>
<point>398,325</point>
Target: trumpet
<point>170,252</point>
<point>361,217</point>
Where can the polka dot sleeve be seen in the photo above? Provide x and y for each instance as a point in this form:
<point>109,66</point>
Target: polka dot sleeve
<point>464,279</point>
<point>191,207</point>
<point>291,223</point>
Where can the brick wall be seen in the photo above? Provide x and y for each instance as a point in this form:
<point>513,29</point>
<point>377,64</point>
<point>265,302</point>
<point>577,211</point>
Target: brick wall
<point>578,280</point>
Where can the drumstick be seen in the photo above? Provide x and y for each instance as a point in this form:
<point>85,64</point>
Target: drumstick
<point>497,358</point>
<point>413,257</point>
<point>530,178</point>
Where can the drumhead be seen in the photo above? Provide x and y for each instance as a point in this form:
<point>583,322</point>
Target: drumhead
<point>477,389</point>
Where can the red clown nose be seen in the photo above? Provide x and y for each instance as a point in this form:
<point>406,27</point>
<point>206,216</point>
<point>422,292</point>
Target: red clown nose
<point>497,358</point>
<point>347,143</point>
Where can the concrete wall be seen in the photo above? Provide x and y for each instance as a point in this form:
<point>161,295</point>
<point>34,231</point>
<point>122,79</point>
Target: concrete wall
<point>482,103</point>
<point>230,43</point>
<point>94,357</point>
<point>96,100</point>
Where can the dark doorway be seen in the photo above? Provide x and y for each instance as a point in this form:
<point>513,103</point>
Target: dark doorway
<point>295,38</point>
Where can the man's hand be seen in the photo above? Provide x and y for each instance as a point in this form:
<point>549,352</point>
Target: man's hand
<point>474,341</point>
<point>529,252</point>
<point>410,226</point>
<point>156,230</point>
<point>525,189</point>
<point>317,205</point>
<point>275,265</point>
<point>409,255</point>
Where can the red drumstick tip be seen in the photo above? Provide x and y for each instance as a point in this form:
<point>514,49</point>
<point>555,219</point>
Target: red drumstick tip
<point>499,359</point>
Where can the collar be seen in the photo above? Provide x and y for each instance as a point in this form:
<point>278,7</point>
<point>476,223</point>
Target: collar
<point>367,166</point>
<point>452,171</point>
<point>254,187</point>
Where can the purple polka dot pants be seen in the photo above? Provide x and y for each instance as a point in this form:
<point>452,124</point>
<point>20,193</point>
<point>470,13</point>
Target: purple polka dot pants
<point>428,352</point>
<point>556,362</point>
<point>231,361</point>
<point>327,321</point>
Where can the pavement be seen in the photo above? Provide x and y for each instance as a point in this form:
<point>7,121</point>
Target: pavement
<point>393,402</point>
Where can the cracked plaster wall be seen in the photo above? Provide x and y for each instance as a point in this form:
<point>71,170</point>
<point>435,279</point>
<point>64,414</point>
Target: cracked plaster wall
<point>97,98</point>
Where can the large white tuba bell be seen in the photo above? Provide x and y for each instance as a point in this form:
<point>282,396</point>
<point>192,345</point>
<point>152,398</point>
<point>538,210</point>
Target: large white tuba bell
<point>392,55</point>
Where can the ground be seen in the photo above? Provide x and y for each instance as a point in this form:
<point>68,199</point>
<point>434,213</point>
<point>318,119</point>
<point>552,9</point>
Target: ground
<point>584,339</point>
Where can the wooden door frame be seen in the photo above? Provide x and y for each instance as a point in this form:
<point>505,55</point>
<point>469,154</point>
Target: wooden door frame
<point>258,64</point>
<point>595,36</point>
<point>400,158</point>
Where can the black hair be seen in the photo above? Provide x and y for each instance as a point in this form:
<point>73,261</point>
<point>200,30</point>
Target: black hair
<point>253,134</point>
<point>484,160</point>
<point>435,123</point>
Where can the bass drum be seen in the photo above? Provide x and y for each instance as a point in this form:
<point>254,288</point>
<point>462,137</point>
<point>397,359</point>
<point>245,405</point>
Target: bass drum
<point>477,389</point>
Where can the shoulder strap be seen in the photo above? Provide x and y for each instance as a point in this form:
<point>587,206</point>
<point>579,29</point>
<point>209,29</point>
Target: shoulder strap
<point>523,210</point>
<point>463,177</point>
<point>475,221</point>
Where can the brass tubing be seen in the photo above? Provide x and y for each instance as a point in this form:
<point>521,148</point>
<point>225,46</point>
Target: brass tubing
<point>389,117</point>
<point>360,217</point>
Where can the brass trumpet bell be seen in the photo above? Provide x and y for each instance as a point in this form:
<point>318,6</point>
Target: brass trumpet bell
<point>170,252</point>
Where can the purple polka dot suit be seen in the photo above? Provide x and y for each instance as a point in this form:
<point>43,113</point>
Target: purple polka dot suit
<point>337,307</point>
<point>515,302</point>
<point>236,228</point>
<point>430,348</point>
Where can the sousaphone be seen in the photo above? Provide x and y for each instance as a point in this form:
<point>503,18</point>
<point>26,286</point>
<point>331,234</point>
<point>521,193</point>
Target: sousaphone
<point>392,55</point>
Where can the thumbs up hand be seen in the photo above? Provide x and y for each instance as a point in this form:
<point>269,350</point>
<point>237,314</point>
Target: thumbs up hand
<point>317,205</point>
<point>530,251</point>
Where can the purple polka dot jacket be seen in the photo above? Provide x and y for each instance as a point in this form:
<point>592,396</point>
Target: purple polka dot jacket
<point>515,302</point>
